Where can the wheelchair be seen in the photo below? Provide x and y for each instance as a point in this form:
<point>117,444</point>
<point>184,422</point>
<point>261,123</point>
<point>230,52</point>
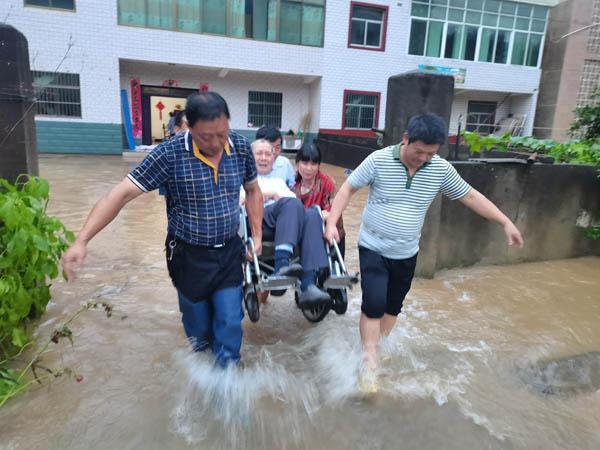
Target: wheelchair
<point>258,276</point>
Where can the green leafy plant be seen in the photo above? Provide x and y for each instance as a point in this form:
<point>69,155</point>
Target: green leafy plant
<point>587,119</point>
<point>593,232</point>
<point>31,243</point>
<point>575,151</point>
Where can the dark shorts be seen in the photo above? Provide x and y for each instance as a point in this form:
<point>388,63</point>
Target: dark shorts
<point>198,272</point>
<point>384,282</point>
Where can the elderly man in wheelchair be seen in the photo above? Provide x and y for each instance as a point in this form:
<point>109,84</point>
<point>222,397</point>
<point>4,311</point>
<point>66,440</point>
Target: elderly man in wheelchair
<point>318,277</point>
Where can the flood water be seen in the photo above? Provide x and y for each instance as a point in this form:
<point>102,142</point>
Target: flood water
<point>457,372</point>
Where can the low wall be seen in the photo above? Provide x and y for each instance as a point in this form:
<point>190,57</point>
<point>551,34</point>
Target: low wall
<point>550,204</point>
<point>79,137</point>
<point>342,154</point>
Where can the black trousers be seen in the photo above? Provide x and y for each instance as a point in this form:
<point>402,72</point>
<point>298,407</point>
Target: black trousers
<point>198,272</point>
<point>384,282</point>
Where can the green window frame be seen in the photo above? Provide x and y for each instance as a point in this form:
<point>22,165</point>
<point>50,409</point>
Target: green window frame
<point>299,22</point>
<point>67,5</point>
<point>492,31</point>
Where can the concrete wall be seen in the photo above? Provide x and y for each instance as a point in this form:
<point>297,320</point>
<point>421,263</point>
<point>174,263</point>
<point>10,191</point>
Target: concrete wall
<point>550,204</point>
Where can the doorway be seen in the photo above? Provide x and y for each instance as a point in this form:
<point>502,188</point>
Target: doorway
<point>157,104</point>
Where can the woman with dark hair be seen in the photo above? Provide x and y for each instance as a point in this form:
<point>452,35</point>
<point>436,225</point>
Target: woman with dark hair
<point>314,187</point>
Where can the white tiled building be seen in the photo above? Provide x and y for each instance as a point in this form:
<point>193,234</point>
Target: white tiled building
<point>312,64</point>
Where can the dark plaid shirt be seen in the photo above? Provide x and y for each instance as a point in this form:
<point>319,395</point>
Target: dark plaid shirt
<point>201,210</point>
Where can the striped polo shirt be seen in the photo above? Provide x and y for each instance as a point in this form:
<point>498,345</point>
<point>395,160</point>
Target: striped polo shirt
<point>202,200</point>
<point>397,203</point>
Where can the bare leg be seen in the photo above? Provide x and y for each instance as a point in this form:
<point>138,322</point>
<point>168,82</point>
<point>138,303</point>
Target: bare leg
<point>370,334</point>
<point>387,324</point>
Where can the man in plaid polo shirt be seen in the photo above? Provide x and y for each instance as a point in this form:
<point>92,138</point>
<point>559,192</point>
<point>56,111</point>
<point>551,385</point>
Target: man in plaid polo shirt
<point>201,171</point>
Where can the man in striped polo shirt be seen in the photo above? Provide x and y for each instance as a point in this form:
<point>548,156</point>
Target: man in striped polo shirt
<point>403,181</point>
<point>200,171</point>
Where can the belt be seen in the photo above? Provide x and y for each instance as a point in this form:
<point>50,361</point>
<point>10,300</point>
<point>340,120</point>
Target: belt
<point>173,241</point>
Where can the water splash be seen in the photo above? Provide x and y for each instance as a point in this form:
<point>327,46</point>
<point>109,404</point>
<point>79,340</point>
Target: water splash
<point>262,405</point>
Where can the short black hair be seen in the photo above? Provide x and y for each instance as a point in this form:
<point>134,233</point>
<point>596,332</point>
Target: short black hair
<point>428,128</point>
<point>205,106</point>
<point>268,132</point>
<point>309,152</point>
<point>179,115</point>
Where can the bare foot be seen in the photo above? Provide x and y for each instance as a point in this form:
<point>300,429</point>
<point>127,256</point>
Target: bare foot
<point>262,297</point>
<point>368,380</point>
<point>368,377</point>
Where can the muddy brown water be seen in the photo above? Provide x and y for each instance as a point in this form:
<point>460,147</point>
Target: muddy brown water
<point>457,373</point>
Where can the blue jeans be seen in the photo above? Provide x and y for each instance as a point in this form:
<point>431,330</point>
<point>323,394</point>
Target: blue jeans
<point>215,323</point>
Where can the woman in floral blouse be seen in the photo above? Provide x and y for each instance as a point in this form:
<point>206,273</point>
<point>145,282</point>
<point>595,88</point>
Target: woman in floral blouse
<point>314,187</point>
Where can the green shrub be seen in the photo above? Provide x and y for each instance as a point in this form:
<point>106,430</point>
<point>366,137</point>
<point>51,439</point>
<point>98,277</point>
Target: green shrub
<point>31,243</point>
<point>574,151</point>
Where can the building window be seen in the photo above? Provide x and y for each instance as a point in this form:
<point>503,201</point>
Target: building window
<point>289,21</point>
<point>58,4</point>
<point>57,94</point>
<point>264,108</point>
<point>505,32</point>
<point>368,24</point>
<point>590,82</point>
<point>593,45</point>
<point>481,117</point>
<point>361,110</point>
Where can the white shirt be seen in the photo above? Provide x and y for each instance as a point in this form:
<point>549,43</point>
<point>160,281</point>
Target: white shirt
<point>271,185</point>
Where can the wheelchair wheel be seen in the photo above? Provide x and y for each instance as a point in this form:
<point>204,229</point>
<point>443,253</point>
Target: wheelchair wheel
<point>316,313</point>
<point>340,300</point>
<point>252,305</point>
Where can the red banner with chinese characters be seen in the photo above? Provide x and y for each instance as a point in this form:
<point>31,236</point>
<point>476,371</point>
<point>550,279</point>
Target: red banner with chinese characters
<point>136,108</point>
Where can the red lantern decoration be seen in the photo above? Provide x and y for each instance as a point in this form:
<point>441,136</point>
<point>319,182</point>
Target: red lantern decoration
<point>160,106</point>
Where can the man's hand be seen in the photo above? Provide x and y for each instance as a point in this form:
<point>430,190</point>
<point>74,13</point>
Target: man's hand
<point>513,235</point>
<point>257,248</point>
<point>331,233</point>
<point>73,259</point>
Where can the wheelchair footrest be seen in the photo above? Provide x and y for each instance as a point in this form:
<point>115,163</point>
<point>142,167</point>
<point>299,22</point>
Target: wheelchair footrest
<point>275,282</point>
<point>339,282</point>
